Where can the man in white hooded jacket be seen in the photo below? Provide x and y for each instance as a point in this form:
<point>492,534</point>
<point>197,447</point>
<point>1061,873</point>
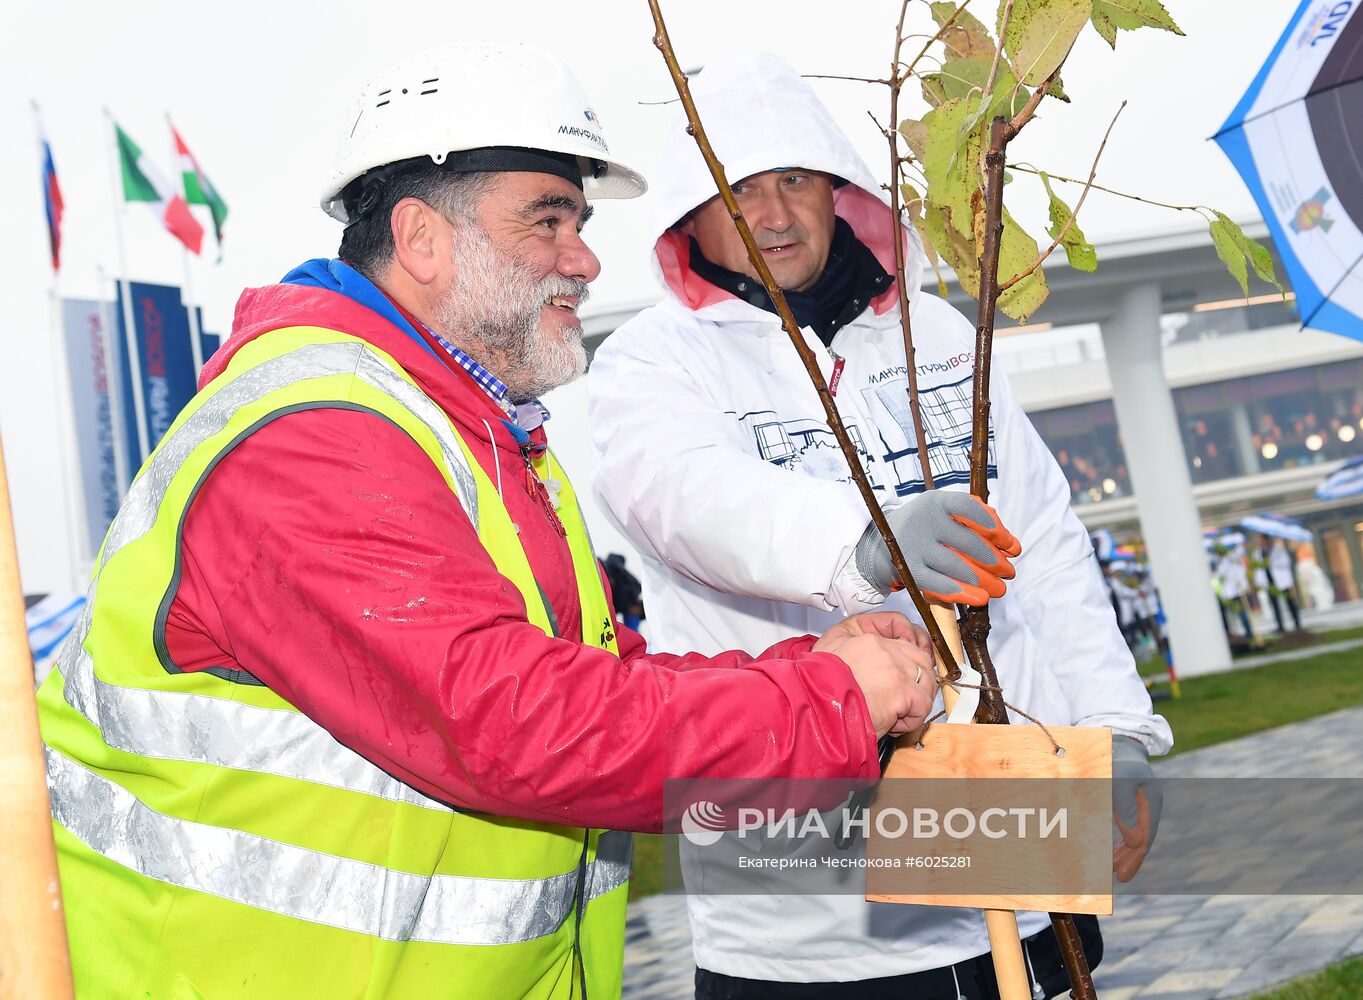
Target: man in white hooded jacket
<point>715,459</point>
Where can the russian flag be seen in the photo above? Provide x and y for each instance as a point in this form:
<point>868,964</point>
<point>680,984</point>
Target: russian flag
<point>52,195</point>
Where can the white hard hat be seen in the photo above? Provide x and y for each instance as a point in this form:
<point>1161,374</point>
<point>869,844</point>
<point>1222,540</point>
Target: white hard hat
<point>476,97</point>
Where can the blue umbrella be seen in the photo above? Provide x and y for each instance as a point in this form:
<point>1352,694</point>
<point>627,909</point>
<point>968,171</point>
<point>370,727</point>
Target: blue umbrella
<point>1223,537</point>
<point>1346,481</point>
<point>1297,137</point>
<point>1277,527</point>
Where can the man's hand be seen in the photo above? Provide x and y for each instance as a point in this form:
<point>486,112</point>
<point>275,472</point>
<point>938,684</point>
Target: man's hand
<point>891,659</point>
<point>957,548</point>
<point>1136,804</point>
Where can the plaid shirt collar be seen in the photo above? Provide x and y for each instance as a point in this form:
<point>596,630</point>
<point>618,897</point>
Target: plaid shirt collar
<point>490,384</point>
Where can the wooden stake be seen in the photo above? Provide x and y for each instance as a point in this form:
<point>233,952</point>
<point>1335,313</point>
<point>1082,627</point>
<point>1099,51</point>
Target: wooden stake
<point>1005,943</point>
<point>34,960</point>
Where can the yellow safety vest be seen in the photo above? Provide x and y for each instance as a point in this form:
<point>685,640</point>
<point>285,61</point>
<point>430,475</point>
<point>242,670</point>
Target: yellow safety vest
<point>215,842</point>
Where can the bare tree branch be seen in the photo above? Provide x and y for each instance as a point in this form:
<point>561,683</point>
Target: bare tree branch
<point>998,53</point>
<point>1029,109</point>
<point>1029,169</point>
<point>908,71</point>
<point>1064,230</point>
<point>901,278</point>
<point>851,79</point>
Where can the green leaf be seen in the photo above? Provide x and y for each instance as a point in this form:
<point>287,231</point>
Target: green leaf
<point>1105,27</point>
<point>1233,247</point>
<point>967,37</point>
<point>1261,260</point>
<point>1078,251</point>
<point>956,249</point>
<point>1128,15</point>
<point>1040,34</point>
<point>934,89</point>
<point>911,201</point>
<point>1058,90</point>
<point>914,206</point>
<point>1228,249</point>
<point>952,167</point>
<point>915,133</point>
<point>1017,252</point>
<point>958,77</point>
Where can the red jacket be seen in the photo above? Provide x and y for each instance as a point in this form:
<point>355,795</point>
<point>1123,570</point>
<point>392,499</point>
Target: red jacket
<point>326,556</point>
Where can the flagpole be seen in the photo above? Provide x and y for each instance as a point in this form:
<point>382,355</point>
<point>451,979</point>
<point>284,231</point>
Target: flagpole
<point>61,402</point>
<point>186,293</point>
<point>129,329</point>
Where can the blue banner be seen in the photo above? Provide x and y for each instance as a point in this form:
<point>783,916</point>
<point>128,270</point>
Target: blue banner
<point>86,326</point>
<point>165,361</point>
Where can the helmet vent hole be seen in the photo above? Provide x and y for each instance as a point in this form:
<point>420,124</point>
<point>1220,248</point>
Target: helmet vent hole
<point>380,104</point>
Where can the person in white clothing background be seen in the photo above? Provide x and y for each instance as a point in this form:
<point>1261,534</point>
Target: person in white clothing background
<point>715,459</point>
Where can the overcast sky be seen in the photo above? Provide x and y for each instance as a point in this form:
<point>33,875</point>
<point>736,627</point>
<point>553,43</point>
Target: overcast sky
<point>258,90</point>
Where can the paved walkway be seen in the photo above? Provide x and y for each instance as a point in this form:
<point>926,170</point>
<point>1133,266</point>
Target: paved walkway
<point>1157,947</point>
<point>1287,655</point>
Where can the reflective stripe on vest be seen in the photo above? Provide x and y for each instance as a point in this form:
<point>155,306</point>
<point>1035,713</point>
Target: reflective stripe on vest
<point>182,725</point>
<point>310,361</point>
<point>340,892</point>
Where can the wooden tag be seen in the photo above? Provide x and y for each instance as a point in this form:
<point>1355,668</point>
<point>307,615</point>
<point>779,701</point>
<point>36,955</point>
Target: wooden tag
<point>997,820</point>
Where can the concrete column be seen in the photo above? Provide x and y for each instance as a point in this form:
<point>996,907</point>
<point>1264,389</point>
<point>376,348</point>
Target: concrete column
<point>1159,475</point>
<point>1243,436</point>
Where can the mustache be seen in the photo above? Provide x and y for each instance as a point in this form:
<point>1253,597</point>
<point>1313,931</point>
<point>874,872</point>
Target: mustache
<point>558,284</point>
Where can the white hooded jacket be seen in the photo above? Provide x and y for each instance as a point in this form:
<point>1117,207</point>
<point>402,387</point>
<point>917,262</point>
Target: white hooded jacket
<point>715,459</point>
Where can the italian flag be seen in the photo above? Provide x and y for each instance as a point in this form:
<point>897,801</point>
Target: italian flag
<point>199,190</point>
<point>143,182</point>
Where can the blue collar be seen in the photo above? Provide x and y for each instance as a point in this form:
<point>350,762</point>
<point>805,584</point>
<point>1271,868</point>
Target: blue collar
<point>338,276</point>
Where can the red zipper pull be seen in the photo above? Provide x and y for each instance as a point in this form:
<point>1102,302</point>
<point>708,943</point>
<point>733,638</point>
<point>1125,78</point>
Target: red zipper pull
<point>536,488</point>
<point>836,377</point>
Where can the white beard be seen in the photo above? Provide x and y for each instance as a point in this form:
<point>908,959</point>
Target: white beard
<point>493,307</point>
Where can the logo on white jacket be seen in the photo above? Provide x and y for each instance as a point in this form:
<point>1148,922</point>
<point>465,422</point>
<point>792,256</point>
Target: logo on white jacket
<point>807,445</point>
<point>804,445</point>
<point>946,410</point>
<point>703,823</point>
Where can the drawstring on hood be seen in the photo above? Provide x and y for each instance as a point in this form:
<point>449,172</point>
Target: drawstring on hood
<point>761,115</point>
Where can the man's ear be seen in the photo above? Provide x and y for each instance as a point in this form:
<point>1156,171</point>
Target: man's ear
<point>687,224</point>
<point>419,234</point>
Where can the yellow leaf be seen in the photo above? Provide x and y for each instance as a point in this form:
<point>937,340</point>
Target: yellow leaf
<point>1040,33</point>
<point>1017,252</point>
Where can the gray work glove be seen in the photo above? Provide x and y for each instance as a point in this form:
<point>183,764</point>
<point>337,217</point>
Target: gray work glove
<point>956,547</point>
<point>1137,800</point>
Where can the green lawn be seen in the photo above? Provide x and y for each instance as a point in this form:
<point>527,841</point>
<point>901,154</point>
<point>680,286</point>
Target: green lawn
<point>646,877</point>
<point>1213,709</point>
<point>1339,982</point>
<point>1221,707</point>
<point>1273,643</point>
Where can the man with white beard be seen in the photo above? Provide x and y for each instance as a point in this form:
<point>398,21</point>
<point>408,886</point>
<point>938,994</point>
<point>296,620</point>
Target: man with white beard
<point>348,713</point>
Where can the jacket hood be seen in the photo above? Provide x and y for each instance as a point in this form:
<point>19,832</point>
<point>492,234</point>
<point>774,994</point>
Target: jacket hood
<point>761,115</point>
